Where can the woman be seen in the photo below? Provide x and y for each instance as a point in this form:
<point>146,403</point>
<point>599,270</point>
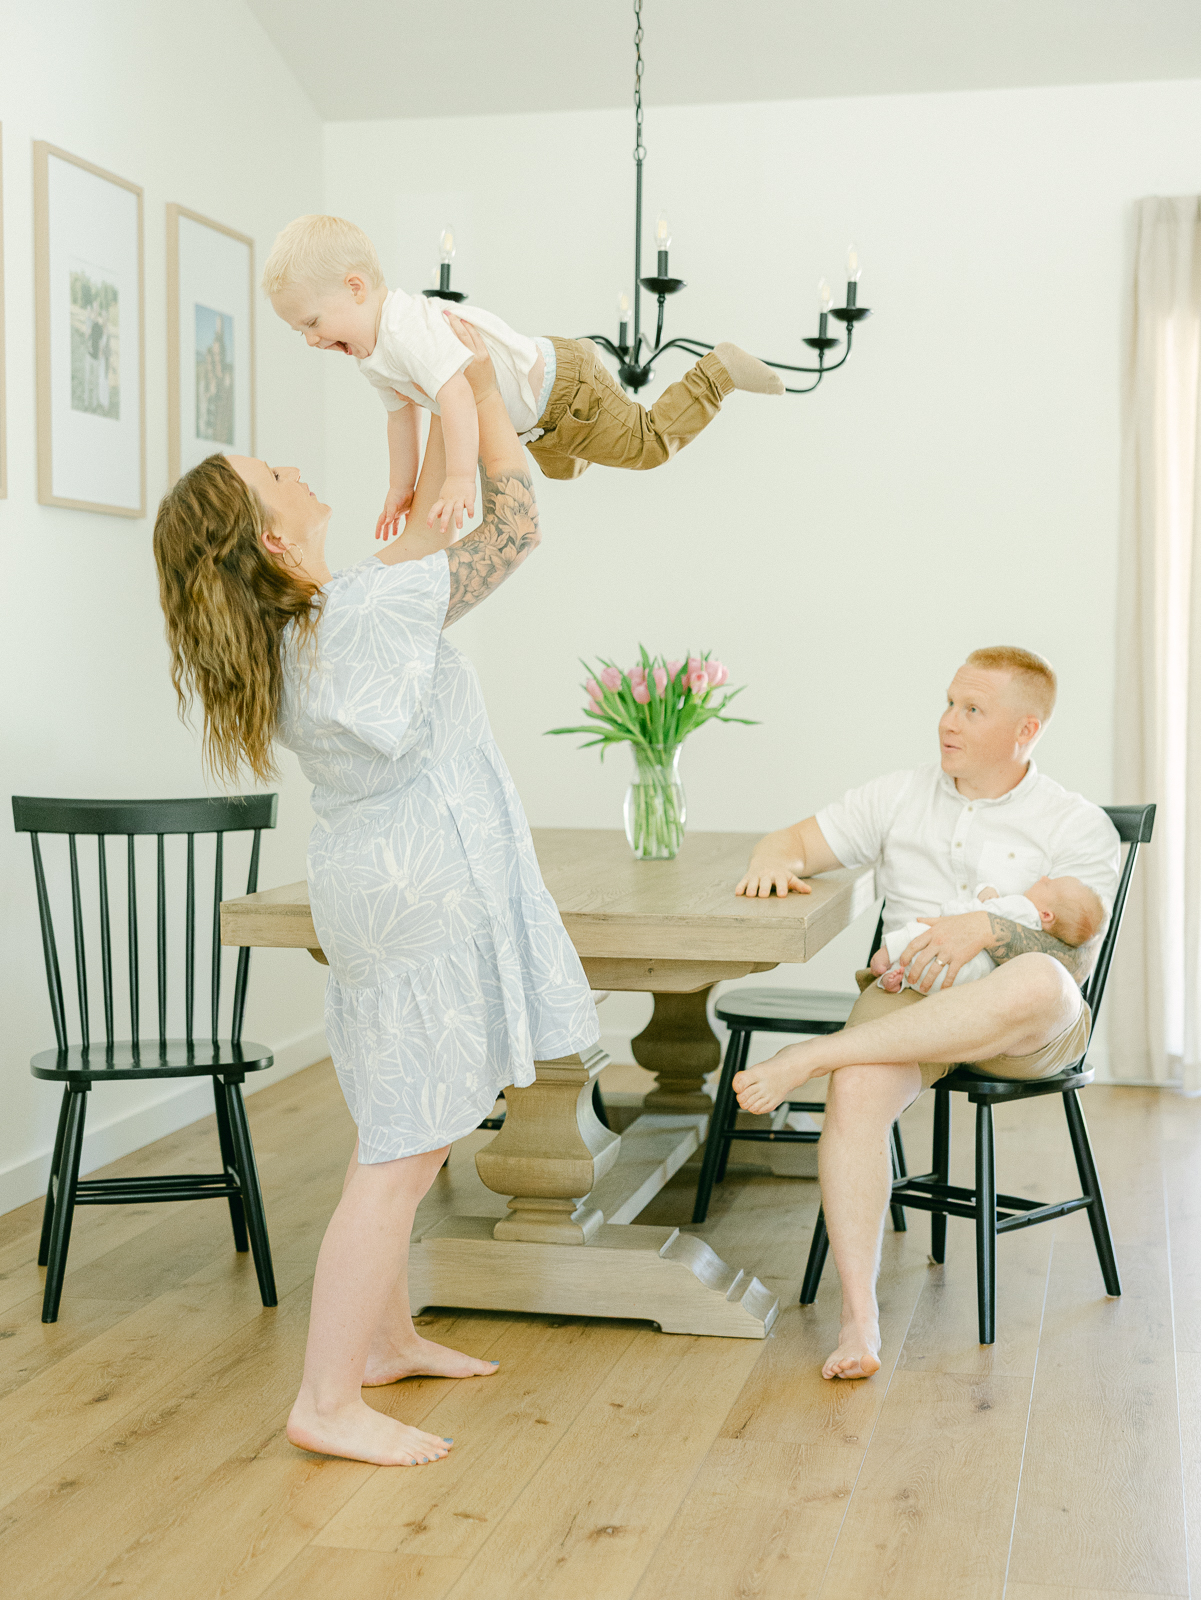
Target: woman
<point>450,970</point>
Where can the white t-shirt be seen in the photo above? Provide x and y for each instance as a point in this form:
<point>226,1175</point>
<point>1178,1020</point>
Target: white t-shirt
<point>928,842</point>
<point>415,350</point>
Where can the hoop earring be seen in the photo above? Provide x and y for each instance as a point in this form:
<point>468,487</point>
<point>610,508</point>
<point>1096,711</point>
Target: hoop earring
<point>284,557</point>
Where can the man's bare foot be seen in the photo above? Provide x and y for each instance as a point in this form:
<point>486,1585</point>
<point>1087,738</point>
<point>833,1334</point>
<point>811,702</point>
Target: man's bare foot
<point>760,1089</point>
<point>361,1434</point>
<point>423,1359</point>
<point>858,1352</point>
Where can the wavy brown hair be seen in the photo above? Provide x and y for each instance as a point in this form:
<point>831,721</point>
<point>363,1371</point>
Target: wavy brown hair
<point>227,603</point>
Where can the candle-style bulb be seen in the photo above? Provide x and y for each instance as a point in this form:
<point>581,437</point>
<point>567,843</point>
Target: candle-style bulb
<point>853,267</point>
<point>446,244</point>
<point>662,232</point>
<point>623,305</point>
<point>825,295</point>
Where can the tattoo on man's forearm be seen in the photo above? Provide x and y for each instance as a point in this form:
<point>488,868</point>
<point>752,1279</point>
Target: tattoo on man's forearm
<point>1012,939</point>
<point>507,534</point>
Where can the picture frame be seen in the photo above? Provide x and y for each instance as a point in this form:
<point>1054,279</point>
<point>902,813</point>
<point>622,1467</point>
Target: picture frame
<point>210,340</point>
<point>3,383</point>
<point>89,305</point>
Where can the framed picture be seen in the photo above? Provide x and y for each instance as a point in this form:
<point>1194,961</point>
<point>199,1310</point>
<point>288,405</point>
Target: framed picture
<point>90,322</point>
<point>3,411</point>
<point>210,340</point>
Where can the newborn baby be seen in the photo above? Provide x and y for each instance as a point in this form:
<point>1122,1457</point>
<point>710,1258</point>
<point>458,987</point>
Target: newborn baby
<point>1064,907</point>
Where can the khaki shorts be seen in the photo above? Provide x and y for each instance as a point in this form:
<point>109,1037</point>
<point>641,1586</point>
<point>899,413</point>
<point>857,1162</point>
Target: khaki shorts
<point>590,418</point>
<point>1069,1046</point>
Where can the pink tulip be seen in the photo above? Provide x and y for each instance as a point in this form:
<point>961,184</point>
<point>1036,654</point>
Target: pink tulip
<point>698,682</point>
<point>636,675</point>
<point>642,694</point>
<point>593,688</point>
<point>695,664</point>
<point>611,679</point>
<point>660,680</point>
<point>717,674</point>
<point>673,668</point>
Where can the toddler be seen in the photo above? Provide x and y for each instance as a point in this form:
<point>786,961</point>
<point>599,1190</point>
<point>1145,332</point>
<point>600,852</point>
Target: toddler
<point>323,278</point>
<point>1061,906</point>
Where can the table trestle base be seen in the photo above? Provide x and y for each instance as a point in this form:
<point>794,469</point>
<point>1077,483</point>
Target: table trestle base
<point>656,1274</point>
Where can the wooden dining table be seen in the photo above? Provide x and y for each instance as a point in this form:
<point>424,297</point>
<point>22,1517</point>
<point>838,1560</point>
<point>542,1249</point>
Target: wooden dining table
<point>568,1242</point>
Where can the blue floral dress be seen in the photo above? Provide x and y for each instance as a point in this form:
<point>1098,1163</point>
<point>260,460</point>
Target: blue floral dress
<point>450,968</point>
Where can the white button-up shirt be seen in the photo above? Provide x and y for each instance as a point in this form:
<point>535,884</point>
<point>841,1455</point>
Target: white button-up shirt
<point>928,842</point>
<point>415,351</point>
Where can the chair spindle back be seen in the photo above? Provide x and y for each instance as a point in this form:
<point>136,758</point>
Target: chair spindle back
<point>138,818</point>
<point>1135,825</point>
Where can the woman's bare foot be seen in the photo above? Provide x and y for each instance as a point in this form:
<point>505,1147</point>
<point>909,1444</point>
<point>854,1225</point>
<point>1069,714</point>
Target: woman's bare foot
<point>760,1089</point>
<point>361,1434</point>
<point>422,1359</point>
<point>858,1352</point>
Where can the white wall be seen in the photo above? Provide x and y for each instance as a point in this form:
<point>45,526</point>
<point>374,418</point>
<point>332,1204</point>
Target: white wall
<point>956,485</point>
<point>194,104</point>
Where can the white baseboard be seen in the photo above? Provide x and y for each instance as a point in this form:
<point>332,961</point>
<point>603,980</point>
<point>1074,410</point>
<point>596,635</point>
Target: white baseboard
<point>108,1141</point>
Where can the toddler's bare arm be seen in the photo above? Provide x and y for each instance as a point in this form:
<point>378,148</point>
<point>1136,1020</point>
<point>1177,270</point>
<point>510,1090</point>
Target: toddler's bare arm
<point>461,431</point>
<point>403,450</point>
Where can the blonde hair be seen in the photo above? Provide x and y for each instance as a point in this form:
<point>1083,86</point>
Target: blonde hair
<point>318,251</point>
<point>226,604</point>
<point>1033,675</point>
<point>1079,913</point>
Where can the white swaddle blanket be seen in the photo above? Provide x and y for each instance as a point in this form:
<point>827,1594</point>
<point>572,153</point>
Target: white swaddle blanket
<point>1014,907</point>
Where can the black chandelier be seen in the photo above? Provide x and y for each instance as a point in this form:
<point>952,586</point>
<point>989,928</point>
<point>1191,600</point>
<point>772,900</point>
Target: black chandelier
<point>636,356</point>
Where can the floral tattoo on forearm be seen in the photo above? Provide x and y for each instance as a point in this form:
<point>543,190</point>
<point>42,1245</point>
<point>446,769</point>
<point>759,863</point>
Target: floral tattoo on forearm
<point>1011,939</point>
<point>507,534</point>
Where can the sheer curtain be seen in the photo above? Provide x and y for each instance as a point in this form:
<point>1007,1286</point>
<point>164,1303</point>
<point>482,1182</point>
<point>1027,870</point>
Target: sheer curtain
<point>1156,982</point>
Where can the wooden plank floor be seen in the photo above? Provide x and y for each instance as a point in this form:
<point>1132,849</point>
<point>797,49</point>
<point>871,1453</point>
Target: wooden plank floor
<point>142,1446</point>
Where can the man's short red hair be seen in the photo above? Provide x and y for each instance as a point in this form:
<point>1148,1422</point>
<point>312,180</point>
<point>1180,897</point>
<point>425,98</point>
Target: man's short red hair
<point>1033,675</point>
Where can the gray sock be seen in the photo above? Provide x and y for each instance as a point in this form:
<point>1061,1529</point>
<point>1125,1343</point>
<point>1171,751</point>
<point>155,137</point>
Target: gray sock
<point>747,372</point>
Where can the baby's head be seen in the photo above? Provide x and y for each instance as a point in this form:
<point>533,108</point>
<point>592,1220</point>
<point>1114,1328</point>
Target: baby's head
<point>1069,909</point>
<point>323,278</point>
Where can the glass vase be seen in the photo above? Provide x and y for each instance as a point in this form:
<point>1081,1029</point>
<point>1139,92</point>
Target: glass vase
<point>655,807</point>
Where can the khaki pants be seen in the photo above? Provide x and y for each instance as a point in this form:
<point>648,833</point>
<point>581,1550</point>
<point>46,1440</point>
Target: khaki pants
<point>589,417</point>
<point>1069,1046</point>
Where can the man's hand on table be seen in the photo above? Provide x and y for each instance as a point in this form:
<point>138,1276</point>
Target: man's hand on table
<point>766,873</point>
<point>948,946</point>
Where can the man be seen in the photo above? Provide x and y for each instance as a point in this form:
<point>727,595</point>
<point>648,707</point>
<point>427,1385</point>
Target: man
<point>985,814</point>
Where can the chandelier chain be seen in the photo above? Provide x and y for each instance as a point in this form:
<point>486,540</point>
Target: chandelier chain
<point>639,147</point>
<point>635,355</point>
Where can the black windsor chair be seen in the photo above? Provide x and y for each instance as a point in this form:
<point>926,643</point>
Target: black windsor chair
<point>995,1213</point>
<point>79,1067</point>
<point>747,1012</point>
